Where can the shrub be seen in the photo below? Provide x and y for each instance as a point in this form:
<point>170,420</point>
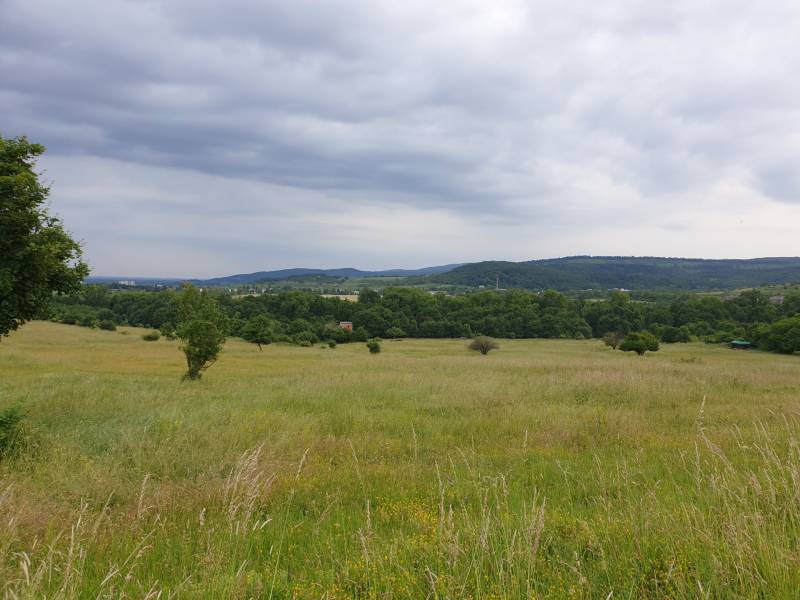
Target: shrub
<point>305,338</point>
<point>331,344</point>
<point>782,336</point>
<point>87,321</point>
<point>107,325</point>
<point>12,434</point>
<point>152,336</point>
<point>613,339</point>
<point>639,342</point>
<point>395,332</point>
<point>483,344</point>
<point>374,346</point>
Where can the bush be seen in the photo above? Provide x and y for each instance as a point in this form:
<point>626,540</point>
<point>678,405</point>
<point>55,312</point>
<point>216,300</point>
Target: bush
<point>12,432</point>
<point>168,331</point>
<point>613,339</point>
<point>639,342</point>
<point>331,344</point>
<point>374,346</point>
<point>782,336</point>
<point>152,336</point>
<point>395,332</point>
<point>107,325</point>
<point>305,338</point>
<point>483,344</point>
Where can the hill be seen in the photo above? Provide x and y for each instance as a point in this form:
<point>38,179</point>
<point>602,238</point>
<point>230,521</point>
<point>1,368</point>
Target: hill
<point>593,272</point>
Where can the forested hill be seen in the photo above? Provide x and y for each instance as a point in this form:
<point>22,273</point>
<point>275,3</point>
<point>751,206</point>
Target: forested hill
<point>603,272</point>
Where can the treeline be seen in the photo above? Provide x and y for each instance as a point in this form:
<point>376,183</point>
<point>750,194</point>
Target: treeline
<point>306,318</point>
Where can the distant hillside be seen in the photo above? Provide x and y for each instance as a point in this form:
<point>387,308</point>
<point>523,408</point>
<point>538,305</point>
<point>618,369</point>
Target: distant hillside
<point>602,272</point>
<point>244,279</point>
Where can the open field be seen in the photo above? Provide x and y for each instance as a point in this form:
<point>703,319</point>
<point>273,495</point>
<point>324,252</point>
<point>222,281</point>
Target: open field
<point>549,469</point>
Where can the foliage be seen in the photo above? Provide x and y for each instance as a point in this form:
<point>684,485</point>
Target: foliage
<point>152,336</point>
<point>374,346</point>
<point>613,339</point>
<point>782,336</point>
<point>201,328</point>
<point>395,332</point>
<point>37,256</point>
<point>639,342</point>
<point>331,344</point>
<point>259,330</point>
<point>483,344</point>
<point>303,317</point>
<point>107,325</point>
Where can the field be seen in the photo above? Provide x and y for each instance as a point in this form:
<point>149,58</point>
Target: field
<point>547,469</point>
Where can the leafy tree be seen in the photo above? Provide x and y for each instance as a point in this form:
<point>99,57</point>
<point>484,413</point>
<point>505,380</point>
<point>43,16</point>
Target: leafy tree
<point>483,344</point>
<point>639,342</point>
<point>259,330</point>
<point>37,256</point>
<point>613,339</point>
<point>201,328</point>
<point>782,336</point>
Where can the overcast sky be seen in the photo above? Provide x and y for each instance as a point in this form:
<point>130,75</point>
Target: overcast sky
<point>199,137</point>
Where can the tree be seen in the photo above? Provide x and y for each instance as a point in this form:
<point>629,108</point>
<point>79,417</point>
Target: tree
<point>201,327</point>
<point>639,342</point>
<point>483,344</point>
<point>782,336</point>
<point>259,330</point>
<point>613,339</point>
<point>38,258</point>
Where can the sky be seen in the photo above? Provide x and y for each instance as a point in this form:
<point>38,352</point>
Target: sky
<point>197,138</point>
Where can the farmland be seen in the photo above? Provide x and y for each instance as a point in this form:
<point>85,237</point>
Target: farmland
<point>548,468</point>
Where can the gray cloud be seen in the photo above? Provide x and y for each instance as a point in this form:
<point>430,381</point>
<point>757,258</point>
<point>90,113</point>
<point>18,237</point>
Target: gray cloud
<point>547,130</point>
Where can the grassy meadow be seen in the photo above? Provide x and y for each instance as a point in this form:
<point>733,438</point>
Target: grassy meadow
<point>547,469</point>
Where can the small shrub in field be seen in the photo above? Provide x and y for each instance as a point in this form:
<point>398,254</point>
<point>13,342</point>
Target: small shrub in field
<point>152,336</point>
<point>305,344</point>
<point>12,434</point>
<point>107,325</point>
<point>374,346</point>
<point>483,344</point>
<point>639,342</point>
<point>331,344</point>
<point>395,332</point>
<point>613,339</point>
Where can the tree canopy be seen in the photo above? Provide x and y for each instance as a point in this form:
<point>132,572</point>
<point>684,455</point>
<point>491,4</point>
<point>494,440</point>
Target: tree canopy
<point>38,258</point>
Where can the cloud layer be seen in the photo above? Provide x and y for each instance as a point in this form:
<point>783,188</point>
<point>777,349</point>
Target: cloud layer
<point>199,138</point>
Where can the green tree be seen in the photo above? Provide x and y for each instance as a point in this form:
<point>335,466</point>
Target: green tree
<point>259,330</point>
<point>639,342</point>
<point>782,336</point>
<point>201,328</point>
<point>38,258</point>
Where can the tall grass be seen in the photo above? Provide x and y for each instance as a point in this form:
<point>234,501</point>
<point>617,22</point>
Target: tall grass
<point>548,469</point>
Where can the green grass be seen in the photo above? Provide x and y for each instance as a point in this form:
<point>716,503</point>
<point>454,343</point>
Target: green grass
<point>548,468</point>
